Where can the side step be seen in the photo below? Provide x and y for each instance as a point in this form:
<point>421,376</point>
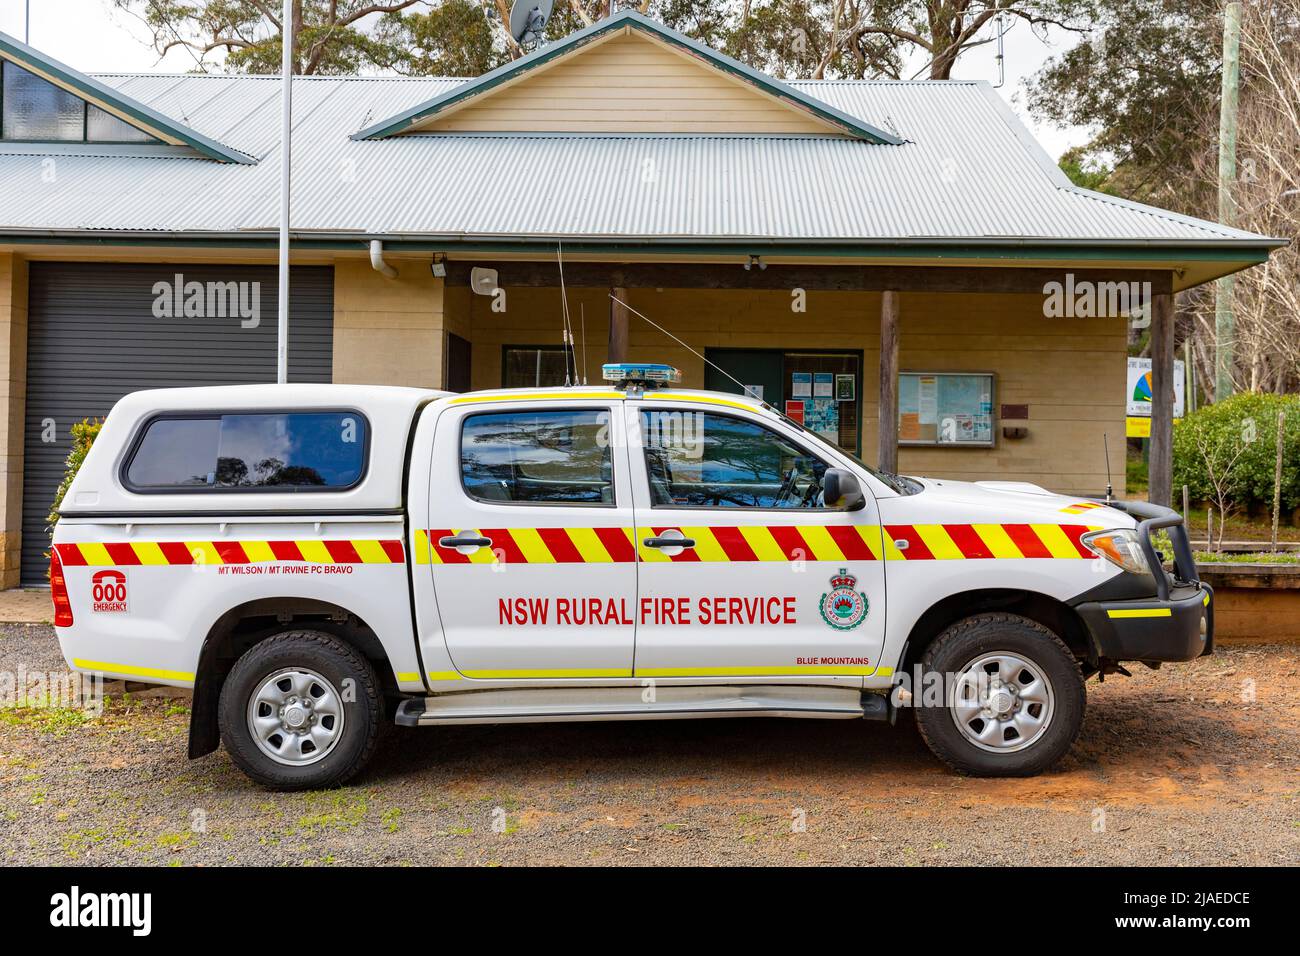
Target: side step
<point>545,705</point>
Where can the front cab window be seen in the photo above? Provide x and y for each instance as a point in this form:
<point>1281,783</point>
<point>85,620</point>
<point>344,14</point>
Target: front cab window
<point>538,457</point>
<point>705,460</point>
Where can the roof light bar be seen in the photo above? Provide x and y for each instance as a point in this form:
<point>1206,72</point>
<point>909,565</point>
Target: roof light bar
<point>640,373</point>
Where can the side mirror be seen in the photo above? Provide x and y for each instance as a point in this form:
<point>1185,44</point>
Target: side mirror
<point>840,489</point>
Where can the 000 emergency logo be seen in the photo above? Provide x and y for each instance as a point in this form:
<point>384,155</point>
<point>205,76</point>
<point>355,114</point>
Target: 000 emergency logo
<point>844,608</point>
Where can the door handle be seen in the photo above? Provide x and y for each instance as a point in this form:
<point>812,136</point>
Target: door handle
<point>669,542</point>
<point>465,540</point>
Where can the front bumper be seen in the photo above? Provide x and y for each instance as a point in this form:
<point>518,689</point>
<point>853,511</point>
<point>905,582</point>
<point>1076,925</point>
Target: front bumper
<point>1177,628</point>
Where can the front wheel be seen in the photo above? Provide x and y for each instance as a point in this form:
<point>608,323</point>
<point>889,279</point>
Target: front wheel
<point>1013,697</point>
<point>300,710</point>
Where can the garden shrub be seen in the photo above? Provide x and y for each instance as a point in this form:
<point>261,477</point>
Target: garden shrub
<point>84,434</point>
<point>1248,419</point>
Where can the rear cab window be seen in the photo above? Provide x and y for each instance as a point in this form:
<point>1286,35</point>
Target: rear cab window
<point>298,451</point>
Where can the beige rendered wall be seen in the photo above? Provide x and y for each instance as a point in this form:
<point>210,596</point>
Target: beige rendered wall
<point>388,331</point>
<point>13,392</point>
<point>1070,372</point>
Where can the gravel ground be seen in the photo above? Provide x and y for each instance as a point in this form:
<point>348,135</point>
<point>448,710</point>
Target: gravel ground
<point>1173,767</point>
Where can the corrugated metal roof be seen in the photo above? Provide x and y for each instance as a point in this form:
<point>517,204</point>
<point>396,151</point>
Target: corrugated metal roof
<point>968,170</point>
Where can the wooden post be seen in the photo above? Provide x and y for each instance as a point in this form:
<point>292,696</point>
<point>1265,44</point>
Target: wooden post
<point>1277,479</point>
<point>618,322</point>
<point>1160,485</point>
<point>887,441</point>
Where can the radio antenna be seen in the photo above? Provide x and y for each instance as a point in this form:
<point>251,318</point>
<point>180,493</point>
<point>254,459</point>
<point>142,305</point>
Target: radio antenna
<point>582,316</point>
<point>567,330</point>
<point>1105,448</point>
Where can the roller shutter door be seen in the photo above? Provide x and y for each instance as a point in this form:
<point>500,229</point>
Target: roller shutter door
<point>93,336</point>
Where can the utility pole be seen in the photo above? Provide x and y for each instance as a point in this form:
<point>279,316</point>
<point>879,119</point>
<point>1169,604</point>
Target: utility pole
<point>286,136</point>
<point>1225,324</point>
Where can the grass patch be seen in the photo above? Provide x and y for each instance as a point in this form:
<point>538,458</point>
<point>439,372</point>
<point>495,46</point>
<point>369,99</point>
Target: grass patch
<point>336,811</point>
<point>1260,557</point>
<point>38,713</point>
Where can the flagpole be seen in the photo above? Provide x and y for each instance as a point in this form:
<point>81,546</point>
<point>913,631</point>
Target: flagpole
<point>286,136</point>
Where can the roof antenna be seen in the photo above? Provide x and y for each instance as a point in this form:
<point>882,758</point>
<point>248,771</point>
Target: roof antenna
<point>566,332</point>
<point>1000,26</point>
<point>1105,448</point>
<point>582,316</point>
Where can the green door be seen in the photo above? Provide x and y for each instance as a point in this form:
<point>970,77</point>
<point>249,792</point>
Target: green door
<point>759,368</point>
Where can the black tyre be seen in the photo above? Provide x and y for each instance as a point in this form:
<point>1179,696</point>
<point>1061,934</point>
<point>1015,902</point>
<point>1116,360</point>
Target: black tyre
<point>1013,697</point>
<point>301,710</point>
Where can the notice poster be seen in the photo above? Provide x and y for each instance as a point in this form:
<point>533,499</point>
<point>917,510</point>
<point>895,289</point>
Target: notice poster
<point>794,411</point>
<point>823,384</point>
<point>755,391</point>
<point>928,399</point>
<point>801,385</point>
<point>909,427</point>
<point>846,388</point>
<point>822,415</point>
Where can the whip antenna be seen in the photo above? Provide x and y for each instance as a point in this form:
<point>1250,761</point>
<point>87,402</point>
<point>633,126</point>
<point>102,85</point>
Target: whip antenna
<point>744,389</point>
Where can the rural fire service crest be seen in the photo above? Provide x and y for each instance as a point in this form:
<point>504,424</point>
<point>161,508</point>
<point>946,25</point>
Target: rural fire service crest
<point>843,607</point>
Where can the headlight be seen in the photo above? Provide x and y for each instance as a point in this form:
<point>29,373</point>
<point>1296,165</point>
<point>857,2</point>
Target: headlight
<point>1120,547</point>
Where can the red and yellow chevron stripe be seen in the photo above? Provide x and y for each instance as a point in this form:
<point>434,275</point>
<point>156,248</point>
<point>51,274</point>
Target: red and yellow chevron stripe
<point>129,553</point>
<point>530,546</point>
<point>721,543</point>
<point>1079,507</point>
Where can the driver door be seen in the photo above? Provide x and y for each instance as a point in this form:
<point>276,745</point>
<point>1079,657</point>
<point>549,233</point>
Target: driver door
<point>767,581</point>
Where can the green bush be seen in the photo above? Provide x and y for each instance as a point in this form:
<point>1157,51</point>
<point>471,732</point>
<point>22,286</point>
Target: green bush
<point>1248,419</point>
<point>84,434</point>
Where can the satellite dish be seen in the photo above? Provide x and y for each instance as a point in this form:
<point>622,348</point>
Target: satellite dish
<point>528,21</point>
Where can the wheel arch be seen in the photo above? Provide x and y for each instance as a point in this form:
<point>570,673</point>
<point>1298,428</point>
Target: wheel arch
<point>246,625</point>
<point>1052,613</point>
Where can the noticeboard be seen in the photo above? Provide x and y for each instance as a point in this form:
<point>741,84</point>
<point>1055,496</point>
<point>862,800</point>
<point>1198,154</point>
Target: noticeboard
<point>945,408</point>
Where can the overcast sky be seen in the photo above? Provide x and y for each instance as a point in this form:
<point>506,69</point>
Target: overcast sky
<point>92,36</point>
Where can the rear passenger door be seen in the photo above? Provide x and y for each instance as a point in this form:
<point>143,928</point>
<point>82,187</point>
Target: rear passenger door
<point>530,544</point>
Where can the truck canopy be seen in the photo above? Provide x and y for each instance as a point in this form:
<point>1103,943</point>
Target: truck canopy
<point>249,433</point>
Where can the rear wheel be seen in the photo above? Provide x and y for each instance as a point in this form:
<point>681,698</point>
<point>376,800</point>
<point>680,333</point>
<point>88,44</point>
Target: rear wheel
<point>301,710</point>
<point>1013,697</point>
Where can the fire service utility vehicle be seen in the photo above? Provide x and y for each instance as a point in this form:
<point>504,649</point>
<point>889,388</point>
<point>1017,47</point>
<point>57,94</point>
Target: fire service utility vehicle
<point>317,560</point>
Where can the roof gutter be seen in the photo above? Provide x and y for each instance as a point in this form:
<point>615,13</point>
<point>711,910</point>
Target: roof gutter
<point>663,245</point>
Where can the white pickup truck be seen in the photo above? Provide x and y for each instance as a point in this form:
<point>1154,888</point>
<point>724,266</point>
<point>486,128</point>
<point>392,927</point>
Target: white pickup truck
<point>316,560</point>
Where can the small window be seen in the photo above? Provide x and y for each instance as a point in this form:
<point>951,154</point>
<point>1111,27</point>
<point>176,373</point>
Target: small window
<point>35,110</point>
<point>945,408</point>
<point>104,127</point>
<point>291,451</point>
<point>542,457</point>
<point>696,459</point>
<point>528,367</point>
